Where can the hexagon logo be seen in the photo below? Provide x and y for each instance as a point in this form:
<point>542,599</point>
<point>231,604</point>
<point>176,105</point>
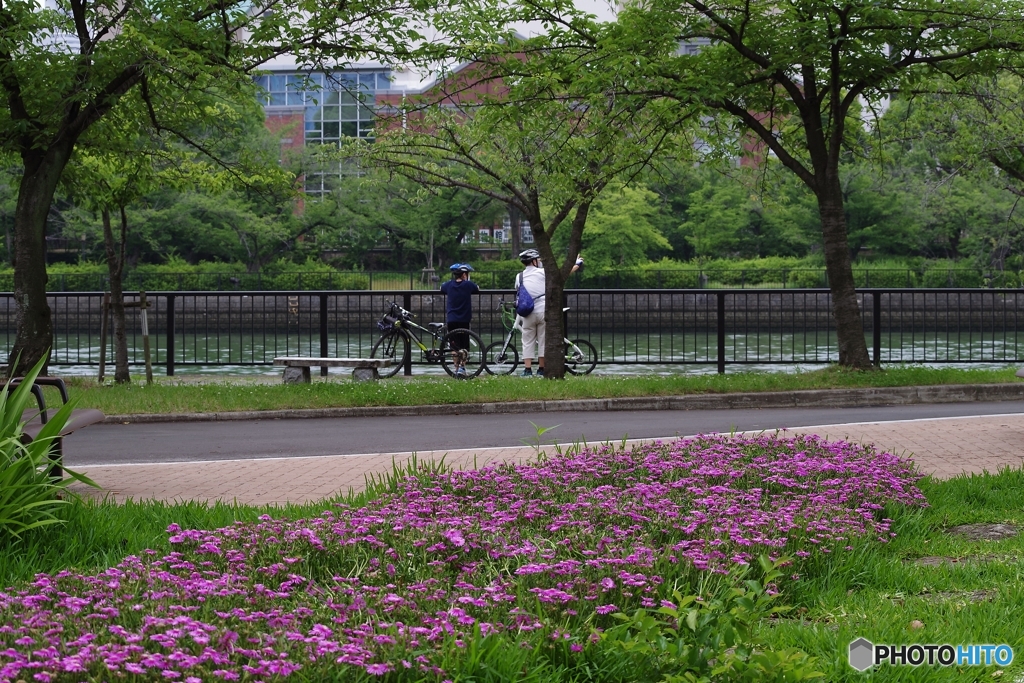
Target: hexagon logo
<point>862,654</point>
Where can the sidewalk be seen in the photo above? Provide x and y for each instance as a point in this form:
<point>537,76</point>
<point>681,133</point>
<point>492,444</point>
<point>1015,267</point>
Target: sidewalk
<point>943,447</point>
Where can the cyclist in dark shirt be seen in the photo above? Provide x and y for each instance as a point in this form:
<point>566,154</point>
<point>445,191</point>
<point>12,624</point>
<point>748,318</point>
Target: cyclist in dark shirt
<point>459,311</point>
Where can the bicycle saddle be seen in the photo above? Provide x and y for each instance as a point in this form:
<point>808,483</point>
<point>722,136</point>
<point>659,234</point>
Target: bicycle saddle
<point>435,326</point>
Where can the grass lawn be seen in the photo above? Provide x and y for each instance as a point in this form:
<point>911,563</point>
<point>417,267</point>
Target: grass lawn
<point>220,395</point>
<point>518,573</point>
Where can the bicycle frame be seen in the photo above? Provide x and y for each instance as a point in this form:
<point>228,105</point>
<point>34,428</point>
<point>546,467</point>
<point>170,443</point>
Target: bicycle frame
<point>404,323</point>
<point>517,324</point>
<point>459,351</point>
<point>511,322</point>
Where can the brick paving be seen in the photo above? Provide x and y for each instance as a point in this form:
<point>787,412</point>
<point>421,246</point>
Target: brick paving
<point>942,447</point>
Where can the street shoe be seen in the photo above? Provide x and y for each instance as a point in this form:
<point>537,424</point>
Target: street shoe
<point>528,372</point>
<point>540,372</point>
<point>461,372</point>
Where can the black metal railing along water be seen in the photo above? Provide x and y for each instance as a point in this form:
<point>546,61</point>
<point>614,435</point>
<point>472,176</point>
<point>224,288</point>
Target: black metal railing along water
<point>716,328</point>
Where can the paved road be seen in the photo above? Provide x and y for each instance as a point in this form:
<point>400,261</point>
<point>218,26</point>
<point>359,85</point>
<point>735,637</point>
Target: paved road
<point>203,441</point>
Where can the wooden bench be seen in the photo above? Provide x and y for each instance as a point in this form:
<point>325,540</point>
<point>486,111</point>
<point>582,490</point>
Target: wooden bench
<point>35,419</point>
<point>296,368</point>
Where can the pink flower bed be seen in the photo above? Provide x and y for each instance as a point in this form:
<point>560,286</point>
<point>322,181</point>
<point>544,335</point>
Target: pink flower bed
<point>539,551</point>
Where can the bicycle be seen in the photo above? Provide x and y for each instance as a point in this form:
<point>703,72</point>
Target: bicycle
<point>501,357</point>
<point>399,332</point>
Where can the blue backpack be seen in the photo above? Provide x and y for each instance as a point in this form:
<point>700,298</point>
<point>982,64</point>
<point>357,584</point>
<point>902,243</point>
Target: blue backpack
<point>524,302</point>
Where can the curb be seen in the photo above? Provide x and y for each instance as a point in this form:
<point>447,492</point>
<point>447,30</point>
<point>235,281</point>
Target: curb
<point>818,398</point>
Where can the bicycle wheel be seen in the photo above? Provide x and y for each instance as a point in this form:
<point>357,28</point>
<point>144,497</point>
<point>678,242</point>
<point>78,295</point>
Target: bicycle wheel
<point>472,356</point>
<point>392,346</point>
<point>498,362</point>
<point>580,357</point>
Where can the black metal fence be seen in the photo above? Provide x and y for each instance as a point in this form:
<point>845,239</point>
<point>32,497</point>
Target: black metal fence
<point>715,328</point>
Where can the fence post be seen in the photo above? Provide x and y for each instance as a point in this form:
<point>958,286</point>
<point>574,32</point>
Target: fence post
<point>104,307</point>
<point>721,332</point>
<point>876,328</point>
<point>407,305</point>
<point>170,335</point>
<point>323,332</point>
<point>143,305</point>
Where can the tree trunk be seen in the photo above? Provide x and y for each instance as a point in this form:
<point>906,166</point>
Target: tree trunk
<point>34,339</point>
<point>115,266</point>
<point>853,350</point>
<point>555,278</point>
<point>554,295</point>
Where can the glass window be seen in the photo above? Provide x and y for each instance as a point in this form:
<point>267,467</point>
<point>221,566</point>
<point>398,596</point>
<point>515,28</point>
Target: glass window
<point>347,98</point>
<point>262,81</point>
<point>368,81</point>
<point>330,129</point>
<point>277,83</point>
<point>348,129</point>
<point>313,126</point>
<point>317,79</point>
<point>296,83</point>
<point>348,112</point>
<point>383,81</point>
<point>277,99</point>
<point>296,98</point>
<point>332,98</point>
<point>366,129</point>
<point>312,114</point>
<point>330,113</point>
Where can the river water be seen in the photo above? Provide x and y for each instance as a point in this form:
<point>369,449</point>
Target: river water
<point>618,354</point>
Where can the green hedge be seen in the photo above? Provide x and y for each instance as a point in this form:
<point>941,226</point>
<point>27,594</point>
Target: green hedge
<point>664,274</point>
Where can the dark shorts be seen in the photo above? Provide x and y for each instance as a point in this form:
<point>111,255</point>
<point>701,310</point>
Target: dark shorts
<point>460,340</point>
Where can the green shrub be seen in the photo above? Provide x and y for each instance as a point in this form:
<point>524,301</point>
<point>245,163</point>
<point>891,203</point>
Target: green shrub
<point>669,274</point>
<point>947,277</point>
<point>806,278</point>
<point>29,496</point>
<point>699,639</point>
<point>497,274</point>
<point>884,277</point>
<point>772,270</point>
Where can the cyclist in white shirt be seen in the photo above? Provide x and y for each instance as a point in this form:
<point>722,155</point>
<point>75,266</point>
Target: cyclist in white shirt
<point>532,325</point>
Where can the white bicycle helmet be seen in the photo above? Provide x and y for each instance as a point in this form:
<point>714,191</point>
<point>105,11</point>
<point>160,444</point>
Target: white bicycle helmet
<point>529,255</point>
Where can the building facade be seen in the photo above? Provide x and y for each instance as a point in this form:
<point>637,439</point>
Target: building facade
<point>321,108</point>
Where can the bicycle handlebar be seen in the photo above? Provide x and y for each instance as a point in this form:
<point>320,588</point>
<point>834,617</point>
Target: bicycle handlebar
<point>401,311</point>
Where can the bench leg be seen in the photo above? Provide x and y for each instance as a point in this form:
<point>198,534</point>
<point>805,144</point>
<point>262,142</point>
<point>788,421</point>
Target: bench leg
<point>365,375</point>
<point>296,375</point>
<point>57,460</point>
